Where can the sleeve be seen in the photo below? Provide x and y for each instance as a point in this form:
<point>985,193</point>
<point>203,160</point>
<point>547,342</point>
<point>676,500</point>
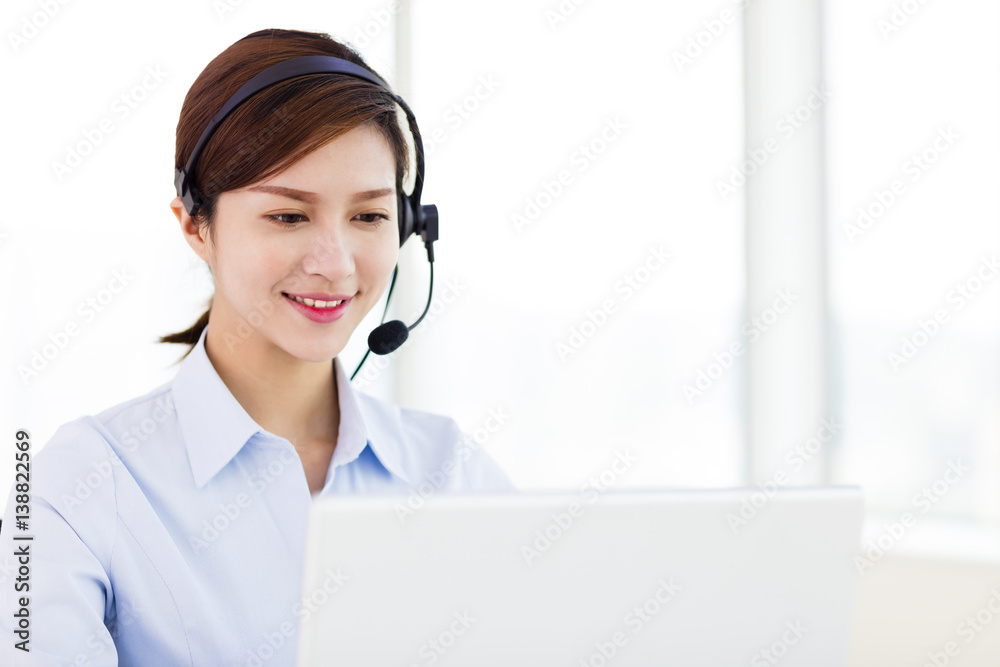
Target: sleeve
<point>55,592</point>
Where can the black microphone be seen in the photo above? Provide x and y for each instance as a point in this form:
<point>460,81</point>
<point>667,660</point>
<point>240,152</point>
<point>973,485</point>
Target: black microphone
<point>387,337</point>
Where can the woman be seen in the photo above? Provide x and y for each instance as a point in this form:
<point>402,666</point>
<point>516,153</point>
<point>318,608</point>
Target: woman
<point>170,529</point>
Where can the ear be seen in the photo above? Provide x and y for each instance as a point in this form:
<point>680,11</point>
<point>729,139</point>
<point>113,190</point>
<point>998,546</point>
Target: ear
<point>193,234</point>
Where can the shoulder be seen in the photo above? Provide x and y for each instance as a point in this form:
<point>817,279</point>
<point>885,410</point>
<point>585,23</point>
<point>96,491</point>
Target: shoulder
<point>77,449</point>
<point>128,423</point>
<point>433,448</point>
<point>72,482</point>
<point>76,468</point>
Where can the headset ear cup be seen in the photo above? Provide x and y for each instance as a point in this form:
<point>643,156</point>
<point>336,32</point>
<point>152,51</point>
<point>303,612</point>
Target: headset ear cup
<point>405,212</point>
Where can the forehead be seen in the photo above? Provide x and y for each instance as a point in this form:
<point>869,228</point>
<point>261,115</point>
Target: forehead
<point>360,160</point>
<point>358,153</point>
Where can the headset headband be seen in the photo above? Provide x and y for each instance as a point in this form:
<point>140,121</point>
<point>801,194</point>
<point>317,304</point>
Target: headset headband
<point>415,218</point>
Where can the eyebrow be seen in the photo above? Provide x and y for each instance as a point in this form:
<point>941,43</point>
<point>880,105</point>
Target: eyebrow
<point>311,197</point>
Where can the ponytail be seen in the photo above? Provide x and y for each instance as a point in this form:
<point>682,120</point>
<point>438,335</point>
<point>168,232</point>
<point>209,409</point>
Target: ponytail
<point>190,335</point>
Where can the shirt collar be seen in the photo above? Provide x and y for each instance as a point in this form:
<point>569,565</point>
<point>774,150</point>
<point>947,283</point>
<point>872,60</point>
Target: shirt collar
<point>361,421</point>
<point>215,426</point>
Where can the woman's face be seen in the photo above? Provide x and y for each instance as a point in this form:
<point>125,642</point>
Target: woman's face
<point>324,227</point>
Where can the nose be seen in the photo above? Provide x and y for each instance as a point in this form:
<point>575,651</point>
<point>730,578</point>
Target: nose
<point>329,253</point>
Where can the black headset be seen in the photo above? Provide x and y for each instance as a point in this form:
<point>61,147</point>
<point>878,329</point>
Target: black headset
<point>414,217</point>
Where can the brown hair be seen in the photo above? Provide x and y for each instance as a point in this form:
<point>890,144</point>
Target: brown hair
<point>278,125</point>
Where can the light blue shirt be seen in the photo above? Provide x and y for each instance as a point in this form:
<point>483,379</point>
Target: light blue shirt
<point>170,529</point>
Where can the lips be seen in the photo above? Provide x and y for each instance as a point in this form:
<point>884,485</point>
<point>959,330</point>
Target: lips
<point>323,314</point>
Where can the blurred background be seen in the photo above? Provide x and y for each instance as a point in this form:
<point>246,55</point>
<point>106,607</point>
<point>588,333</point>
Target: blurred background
<point>746,242</point>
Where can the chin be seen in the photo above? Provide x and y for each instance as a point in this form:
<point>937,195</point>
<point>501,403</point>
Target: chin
<point>315,351</point>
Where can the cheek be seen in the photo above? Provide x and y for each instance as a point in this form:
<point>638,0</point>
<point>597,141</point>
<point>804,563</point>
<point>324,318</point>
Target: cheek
<point>387,257</point>
<point>251,266</point>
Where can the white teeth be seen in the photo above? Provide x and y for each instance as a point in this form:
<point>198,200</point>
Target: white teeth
<point>317,304</point>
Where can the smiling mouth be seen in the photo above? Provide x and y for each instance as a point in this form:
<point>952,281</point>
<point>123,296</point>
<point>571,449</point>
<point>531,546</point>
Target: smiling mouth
<point>313,303</point>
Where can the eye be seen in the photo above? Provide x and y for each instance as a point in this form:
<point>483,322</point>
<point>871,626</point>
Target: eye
<point>282,218</point>
<point>373,219</point>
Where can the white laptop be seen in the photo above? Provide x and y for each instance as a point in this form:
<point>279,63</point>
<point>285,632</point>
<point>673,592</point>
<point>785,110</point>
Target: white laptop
<point>624,579</point>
